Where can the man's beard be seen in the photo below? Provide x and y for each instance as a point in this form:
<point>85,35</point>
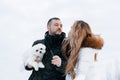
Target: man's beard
<point>57,32</point>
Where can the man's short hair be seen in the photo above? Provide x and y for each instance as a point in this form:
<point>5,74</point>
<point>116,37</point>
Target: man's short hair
<point>54,18</point>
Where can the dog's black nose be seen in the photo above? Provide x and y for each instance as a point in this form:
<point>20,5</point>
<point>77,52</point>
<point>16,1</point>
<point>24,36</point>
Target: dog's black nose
<point>40,51</point>
<point>41,48</point>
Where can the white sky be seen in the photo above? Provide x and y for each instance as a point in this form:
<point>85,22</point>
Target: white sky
<point>24,21</point>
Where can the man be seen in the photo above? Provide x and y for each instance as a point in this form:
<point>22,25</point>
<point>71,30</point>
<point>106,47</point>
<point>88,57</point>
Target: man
<point>52,59</point>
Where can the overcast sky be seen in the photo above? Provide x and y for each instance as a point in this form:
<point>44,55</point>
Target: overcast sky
<point>24,21</point>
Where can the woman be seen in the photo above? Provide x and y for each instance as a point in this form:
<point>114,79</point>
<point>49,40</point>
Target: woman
<point>80,49</point>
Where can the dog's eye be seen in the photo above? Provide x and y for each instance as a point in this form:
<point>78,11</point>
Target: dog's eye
<point>36,50</point>
<point>41,48</point>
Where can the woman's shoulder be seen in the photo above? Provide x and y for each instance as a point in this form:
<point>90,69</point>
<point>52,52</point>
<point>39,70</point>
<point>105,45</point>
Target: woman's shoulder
<point>87,53</point>
<point>88,50</point>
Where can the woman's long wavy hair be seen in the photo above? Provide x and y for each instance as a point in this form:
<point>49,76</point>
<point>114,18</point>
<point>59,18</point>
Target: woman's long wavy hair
<point>72,44</point>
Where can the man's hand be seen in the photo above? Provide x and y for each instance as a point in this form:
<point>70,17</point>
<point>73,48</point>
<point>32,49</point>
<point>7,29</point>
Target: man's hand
<point>56,61</point>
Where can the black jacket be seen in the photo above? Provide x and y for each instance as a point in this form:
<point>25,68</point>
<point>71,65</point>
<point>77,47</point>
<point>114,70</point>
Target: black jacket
<point>53,47</point>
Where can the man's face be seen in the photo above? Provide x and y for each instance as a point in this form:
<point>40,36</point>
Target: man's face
<point>55,27</point>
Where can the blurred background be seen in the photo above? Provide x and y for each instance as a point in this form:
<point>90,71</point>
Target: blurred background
<point>24,21</point>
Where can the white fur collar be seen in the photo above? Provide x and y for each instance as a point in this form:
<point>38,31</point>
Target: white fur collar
<point>87,54</point>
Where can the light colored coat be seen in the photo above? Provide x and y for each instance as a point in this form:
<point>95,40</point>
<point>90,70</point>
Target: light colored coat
<point>85,63</point>
<point>87,57</point>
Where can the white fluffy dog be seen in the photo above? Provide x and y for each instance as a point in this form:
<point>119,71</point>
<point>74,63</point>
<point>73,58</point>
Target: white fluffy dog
<point>30,55</point>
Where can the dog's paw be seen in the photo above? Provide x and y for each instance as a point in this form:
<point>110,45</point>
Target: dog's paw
<point>36,68</point>
<point>41,65</point>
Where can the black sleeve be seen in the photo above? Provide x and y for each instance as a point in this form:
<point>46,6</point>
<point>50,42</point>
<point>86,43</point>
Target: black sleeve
<point>38,41</point>
<point>27,68</point>
<point>61,69</point>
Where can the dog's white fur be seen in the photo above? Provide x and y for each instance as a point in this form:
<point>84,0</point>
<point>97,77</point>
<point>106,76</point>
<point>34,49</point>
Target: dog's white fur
<point>30,55</point>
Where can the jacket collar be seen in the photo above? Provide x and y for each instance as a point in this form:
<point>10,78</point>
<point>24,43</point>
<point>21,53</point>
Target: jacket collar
<point>93,41</point>
<point>53,41</point>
